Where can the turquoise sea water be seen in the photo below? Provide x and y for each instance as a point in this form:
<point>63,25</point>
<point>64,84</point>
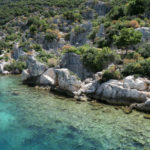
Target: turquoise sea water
<point>36,120</point>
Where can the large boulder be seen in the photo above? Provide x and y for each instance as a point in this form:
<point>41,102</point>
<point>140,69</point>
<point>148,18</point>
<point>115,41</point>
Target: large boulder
<point>25,75</point>
<point>132,83</point>
<point>46,80</point>
<point>67,81</point>
<point>73,62</point>
<point>144,106</point>
<point>145,32</point>
<point>114,92</point>
<point>48,77</point>
<point>2,67</point>
<point>35,68</point>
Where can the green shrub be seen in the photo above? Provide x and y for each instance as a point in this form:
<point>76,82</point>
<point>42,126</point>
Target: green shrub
<point>144,50</point>
<point>98,59</point>
<point>92,35</point>
<point>108,74</point>
<point>50,37</point>
<point>11,37</point>
<point>16,65</point>
<point>116,12</point>
<point>141,67</point>
<point>37,47</point>
<point>135,7</point>
<point>78,30</point>
<point>43,56</point>
<point>33,29</point>
<point>127,37</point>
<point>72,15</point>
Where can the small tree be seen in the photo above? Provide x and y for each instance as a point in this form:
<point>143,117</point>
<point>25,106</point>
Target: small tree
<point>127,37</point>
<point>135,7</point>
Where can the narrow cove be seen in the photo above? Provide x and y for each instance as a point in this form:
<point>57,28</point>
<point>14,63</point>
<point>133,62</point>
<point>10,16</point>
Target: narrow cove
<point>38,120</point>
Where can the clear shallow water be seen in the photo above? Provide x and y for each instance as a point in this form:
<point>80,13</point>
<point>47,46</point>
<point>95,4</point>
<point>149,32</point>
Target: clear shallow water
<point>36,120</point>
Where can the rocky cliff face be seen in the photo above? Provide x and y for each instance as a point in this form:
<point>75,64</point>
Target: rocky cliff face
<point>79,39</point>
<point>73,62</point>
<point>100,7</point>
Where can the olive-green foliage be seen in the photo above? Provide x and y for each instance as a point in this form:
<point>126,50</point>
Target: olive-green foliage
<point>72,49</point>
<point>33,29</point>
<point>50,37</point>
<point>37,47</point>
<point>25,7</point>
<point>78,30</point>
<point>92,35</point>
<point>16,65</point>
<point>135,7</point>
<point>109,74</point>
<point>98,59</point>
<point>3,45</point>
<point>116,12</point>
<point>72,15</point>
<point>12,37</point>
<point>43,56</point>
<point>36,23</point>
<point>141,68</point>
<point>144,50</point>
<point>127,37</point>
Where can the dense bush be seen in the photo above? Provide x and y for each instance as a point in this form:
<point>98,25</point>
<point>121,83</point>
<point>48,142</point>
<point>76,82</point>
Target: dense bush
<point>127,37</point>
<point>98,59</point>
<point>37,47</point>
<point>21,7</point>
<point>33,29</point>
<point>50,37</point>
<point>72,15</point>
<point>141,68</point>
<point>116,12</point>
<point>12,37</point>
<point>44,56</point>
<point>109,74</point>
<point>78,30</point>
<point>144,50</point>
<point>135,7</point>
<point>16,65</point>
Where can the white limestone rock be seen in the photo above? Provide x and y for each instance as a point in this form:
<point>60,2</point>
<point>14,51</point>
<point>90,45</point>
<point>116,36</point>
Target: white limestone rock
<point>114,92</point>
<point>46,80</point>
<point>132,83</point>
<point>25,75</point>
<point>66,81</point>
<point>35,68</point>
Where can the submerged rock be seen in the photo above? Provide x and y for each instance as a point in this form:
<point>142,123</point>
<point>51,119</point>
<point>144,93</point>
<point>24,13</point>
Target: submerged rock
<point>147,116</point>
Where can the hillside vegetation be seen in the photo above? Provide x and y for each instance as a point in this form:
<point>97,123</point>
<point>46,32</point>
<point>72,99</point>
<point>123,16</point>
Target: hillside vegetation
<point>101,32</point>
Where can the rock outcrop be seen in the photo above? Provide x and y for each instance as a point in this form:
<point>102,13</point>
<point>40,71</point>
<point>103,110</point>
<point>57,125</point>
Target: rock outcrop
<point>66,81</point>
<point>79,39</point>
<point>145,32</point>
<point>100,7</point>
<point>17,51</point>
<point>35,68</point>
<point>113,92</point>
<point>131,91</point>
<point>2,68</point>
<point>73,62</point>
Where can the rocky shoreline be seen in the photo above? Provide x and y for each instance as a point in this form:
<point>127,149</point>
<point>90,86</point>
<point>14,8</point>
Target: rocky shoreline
<point>131,91</point>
